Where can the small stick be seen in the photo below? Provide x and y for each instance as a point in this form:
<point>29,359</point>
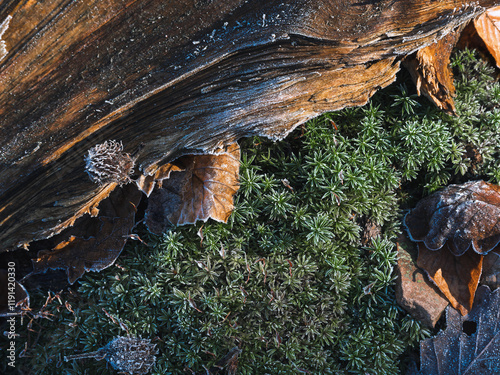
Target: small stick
<point>98,355</point>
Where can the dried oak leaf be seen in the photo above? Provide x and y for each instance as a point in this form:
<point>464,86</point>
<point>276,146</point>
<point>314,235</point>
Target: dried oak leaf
<point>488,28</point>
<point>446,224</point>
<point>456,276</point>
<point>204,189</point>
<point>94,243</point>
<point>470,344</point>
<point>430,70</point>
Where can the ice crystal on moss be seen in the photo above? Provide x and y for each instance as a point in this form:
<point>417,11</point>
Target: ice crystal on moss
<point>131,355</point>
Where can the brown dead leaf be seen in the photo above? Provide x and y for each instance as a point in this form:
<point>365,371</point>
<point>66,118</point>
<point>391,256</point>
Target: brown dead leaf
<point>446,224</point>
<point>94,243</point>
<point>146,183</point>
<point>460,214</point>
<point>203,190</point>
<point>369,230</point>
<point>471,40</point>
<point>488,28</point>
<point>456,276</point>
<point>430,70</point>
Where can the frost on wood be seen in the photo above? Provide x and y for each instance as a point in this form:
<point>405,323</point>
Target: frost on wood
<point>94,243</point>
<point>129,355</point>
<point>107,163</point>
<point>3,28</point>
<point>470,345</point>
<point>168,86</point>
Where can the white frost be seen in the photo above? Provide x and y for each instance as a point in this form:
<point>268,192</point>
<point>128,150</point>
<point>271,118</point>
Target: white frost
<point>3,28</point>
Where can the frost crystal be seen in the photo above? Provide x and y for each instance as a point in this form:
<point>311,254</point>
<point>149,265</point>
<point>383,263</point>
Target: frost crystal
<point>3,28</point>
<point>107,163</point>
<point>130,355</point>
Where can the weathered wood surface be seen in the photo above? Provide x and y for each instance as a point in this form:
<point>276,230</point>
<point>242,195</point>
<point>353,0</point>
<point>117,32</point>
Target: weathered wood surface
<point>174,77</point>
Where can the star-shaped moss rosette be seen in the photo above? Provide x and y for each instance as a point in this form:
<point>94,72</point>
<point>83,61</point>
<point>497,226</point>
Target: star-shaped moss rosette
<point>455,228</point>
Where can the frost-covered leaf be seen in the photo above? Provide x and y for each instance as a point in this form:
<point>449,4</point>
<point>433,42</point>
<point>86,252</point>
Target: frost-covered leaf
<point>488,28</point>
<point>446,224</point>
<point>94,243</point>
<point>460,214</point>
<point>203,190</point>
<point>456,276</point>
<point>470,345</point>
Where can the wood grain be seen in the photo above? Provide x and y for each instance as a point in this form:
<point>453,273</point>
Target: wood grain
<point>170,77</point>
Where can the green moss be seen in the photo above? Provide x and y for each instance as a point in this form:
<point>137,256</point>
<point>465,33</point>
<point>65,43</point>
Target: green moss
<point>287,279</point>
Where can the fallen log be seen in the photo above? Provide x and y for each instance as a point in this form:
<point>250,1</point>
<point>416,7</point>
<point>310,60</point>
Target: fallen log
<point>180,77</point>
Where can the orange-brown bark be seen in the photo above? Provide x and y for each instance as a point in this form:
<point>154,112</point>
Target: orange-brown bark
<point>170,78</point>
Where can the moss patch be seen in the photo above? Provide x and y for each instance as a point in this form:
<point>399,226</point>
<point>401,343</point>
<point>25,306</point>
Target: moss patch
<point>302,276</point>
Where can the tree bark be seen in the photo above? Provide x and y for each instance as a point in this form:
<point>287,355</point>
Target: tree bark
<point>168,78</point>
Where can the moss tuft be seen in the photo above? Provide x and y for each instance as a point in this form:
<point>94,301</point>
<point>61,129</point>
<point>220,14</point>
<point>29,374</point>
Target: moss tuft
<point>287,279</point>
